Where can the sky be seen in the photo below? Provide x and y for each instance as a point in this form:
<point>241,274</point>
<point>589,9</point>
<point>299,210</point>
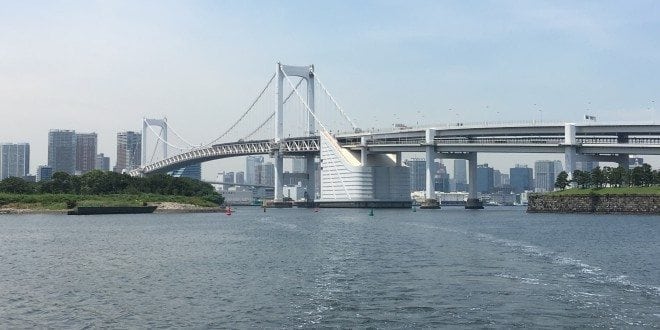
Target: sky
<point>101,66</point>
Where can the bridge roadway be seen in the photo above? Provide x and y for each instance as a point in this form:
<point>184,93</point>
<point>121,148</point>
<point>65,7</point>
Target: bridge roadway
<point>590,139</point>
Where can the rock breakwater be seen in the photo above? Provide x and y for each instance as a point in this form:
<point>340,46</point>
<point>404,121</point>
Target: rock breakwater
<point>592,203</point>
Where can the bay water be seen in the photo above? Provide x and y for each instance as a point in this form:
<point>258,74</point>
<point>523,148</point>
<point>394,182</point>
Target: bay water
<point>296,268</point>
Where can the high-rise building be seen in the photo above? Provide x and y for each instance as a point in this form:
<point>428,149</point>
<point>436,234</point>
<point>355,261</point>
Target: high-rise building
<point>460,175</point>
<point>558,167</point>
<point>521,178</point>
<point>497,179</point>
<point>228,177</point>
<point>267,174</point>
<point>417,173</point>
<point>129,149</point>
<point>506,180</point>
<point>441,179</point>
<point>546,172</point>
<point>85,152</point>
<point>14,160</point>
<point>251,172</point>
<point>240,177</point>
<point>62,150</point>
<point>44,173</point>
<point>192,171</point>
<point>102,162</point>
<point>484,178</point>
<point>299,165</point>
<point>586,166</point>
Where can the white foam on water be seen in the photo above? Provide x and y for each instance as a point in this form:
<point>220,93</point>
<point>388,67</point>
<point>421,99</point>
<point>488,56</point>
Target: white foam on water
<point>592,273</point>
<point>588,294</point>
<point>524,280</point>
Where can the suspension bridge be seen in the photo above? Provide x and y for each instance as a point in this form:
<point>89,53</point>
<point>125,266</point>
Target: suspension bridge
<point>364,168</point>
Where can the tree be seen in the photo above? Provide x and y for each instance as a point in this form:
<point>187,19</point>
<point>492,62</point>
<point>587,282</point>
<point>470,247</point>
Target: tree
<point>14,185</point>
<point>646,175</point>
<point>636,177</point>
<point>615,176</point>
<point>562,180</point>
<point>582,179</point>
<point>60,183</point>
<point>95,183</point>
<point>597,178</point>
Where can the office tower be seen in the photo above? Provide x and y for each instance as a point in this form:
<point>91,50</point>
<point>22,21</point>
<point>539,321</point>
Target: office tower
<point>546,172</point>
<point>521,178</point>
<point>484,178</point>
<point>102,162</point>
<point>44,173</point>
<point>62,150</point>
<point>506,180</point>
<point>129,149</point>
<point>267,174</point>
<point>14,160</point>
<point>586,166</point>
<point>417,173</point>
<point>192,171</point>
<point>299,165</point>
<point>228,177</point>
<point>558,167</point>
<point>251,172</point>
<point>460,174</point>
<point>85,152</point>
<point>441,178</point>
<point>497,179</point>
<point>240,177</point>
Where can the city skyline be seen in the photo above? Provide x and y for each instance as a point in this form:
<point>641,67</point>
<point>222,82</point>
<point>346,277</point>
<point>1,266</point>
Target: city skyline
<point>103,66</point>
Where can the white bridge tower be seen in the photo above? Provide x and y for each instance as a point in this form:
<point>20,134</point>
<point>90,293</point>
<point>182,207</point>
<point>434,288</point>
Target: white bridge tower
<point>307,73</point>
<point>162,123</point>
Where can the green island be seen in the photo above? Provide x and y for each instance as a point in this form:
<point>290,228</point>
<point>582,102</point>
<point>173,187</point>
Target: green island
<point>99,189</point>
<point>652,190</point>
<point>606,190</point>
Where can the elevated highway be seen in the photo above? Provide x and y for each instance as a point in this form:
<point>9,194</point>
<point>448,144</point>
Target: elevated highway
<point>578,142</point>
<point>609,139</point>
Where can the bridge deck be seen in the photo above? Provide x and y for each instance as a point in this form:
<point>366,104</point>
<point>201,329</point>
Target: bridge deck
<point>640,139</point>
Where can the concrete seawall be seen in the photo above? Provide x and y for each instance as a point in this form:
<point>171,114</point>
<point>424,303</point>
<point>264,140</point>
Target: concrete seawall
<point>632,204</point>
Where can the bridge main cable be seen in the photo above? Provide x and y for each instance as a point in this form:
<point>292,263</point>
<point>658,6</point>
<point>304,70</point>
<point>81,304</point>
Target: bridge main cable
<point>244,113</point>
<point>272,114</point>
<point>334,101</point>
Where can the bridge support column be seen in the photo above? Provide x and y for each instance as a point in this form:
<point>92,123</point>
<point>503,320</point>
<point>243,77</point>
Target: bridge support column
<point>143,147</point>
<point>311,178</point>
<point>430,172</point>
<point>431,201</point>
<point>363,150</point>
<point>146,122</point>
<point>279,177</point>
<point>570,149</point>
<point>570,155</point>
<point>473,202</point>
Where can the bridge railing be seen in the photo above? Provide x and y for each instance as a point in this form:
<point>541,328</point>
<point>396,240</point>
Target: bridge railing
<point>613,140</point>
<point>502,140</point>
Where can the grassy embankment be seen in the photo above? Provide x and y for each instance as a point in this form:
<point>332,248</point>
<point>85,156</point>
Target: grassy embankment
<point>65,201</point>
<point>653,190</point>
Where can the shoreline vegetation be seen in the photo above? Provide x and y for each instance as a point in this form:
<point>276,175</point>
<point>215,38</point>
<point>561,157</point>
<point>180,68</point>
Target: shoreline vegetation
<point>98,189</point>
<point>618,191</point>
<point>606,190</point>
<point>60,204</point>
